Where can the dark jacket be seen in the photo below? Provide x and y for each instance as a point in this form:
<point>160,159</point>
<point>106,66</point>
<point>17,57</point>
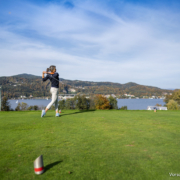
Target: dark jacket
<point>54,78</point>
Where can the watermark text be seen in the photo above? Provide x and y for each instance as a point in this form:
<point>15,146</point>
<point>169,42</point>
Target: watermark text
<point>174,174</point>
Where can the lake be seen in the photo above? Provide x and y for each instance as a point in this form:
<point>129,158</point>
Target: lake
<point>132,104</point>
<point>139,104</point>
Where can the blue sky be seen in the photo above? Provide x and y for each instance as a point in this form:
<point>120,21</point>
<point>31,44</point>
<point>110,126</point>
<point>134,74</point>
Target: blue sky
<point>106,40</point>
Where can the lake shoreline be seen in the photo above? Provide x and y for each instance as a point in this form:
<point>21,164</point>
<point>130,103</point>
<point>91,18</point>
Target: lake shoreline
<point>132,104</point>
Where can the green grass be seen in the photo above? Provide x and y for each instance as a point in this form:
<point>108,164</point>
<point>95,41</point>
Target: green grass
<point>93,145</point>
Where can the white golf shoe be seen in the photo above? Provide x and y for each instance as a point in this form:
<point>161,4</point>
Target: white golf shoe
<point>43,113</point>
<point>57,114</point>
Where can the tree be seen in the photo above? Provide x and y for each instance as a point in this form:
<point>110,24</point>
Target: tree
<point>113,102</point>
<point>123,108</point>
<point>62,104</point>
<point>158,104</point>
<point>21,107</point>
<point>172,105</point>
<point>91,102</point>
<point>35,107</point>
<point>24,106</point>
<point>30,108</point>
<point>82,103</point>
<point>52,107</point>
<point>18,108</point>
<point>70,104</point>
<point>101,102</point>
<point>5,106</point>
<point>175,96</point>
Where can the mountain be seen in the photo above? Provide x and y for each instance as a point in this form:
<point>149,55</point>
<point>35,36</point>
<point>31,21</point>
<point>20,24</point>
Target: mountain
<point>28,76</point>
<point>171,89</point>
<point>28,84</point>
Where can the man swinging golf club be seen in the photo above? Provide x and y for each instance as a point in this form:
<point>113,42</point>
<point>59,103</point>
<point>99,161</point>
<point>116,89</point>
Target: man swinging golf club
<point>53,76</point>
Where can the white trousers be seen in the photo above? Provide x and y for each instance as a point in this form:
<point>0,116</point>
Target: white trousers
<point>54,92</point>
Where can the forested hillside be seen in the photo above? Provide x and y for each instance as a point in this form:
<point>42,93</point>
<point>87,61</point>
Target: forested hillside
<point>26,85</point>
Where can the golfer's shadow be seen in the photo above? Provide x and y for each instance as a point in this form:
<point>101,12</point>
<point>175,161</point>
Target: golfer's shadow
<point>49,166</point>
<point>81,111</point>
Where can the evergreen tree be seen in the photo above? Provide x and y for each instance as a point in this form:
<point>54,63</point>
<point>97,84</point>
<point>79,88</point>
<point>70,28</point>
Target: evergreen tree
<point>92,103</point>
<point>113,102</point>
<point>5,106</point>
<point>62,104</point>
<point>69,104</point>
<point>82,103</point>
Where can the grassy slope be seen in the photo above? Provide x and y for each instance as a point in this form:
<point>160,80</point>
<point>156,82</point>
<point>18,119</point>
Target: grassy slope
<point>94,145</point>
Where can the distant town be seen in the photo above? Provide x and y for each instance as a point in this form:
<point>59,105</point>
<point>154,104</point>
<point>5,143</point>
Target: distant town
<point>124,96</point>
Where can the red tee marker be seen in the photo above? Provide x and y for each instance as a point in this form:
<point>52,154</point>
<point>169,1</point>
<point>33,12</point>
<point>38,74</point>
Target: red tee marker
<point>38,165</point>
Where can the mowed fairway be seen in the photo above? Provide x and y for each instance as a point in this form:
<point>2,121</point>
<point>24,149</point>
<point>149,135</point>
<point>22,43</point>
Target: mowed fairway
<point>93,145</point>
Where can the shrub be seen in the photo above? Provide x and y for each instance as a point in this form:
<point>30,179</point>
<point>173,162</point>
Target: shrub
<point>123,108</point>
<point>21,107</point>
<point>101,102</point>
<point>172,105</point>
<point>41,107</point>
<point>30,108</point>
<point>35,107</point>
<point>158,104</point>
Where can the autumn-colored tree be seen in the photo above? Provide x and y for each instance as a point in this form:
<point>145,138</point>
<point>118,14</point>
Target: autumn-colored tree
<point>175,96</point>
<point>172,105</point>
<point>101,102</point>
<point>167,98</point>
<point>158,104</point>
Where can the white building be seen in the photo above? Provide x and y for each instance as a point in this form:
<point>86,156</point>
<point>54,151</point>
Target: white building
<point>129,95</point>
<point>66,96</point>
<point>23,97</point>
<point>156,107</point>
<point>107,96</point>
<point>113,95</point>
<point>72,90</point>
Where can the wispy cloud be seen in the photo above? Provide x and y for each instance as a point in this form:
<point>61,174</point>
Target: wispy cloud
<point>91,41</point>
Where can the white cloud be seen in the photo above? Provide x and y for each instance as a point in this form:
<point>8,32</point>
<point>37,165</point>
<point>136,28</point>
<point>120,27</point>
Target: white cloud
<point>95,44</point>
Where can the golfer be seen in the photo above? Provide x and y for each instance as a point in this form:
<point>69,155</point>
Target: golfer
<point>53,76</point>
